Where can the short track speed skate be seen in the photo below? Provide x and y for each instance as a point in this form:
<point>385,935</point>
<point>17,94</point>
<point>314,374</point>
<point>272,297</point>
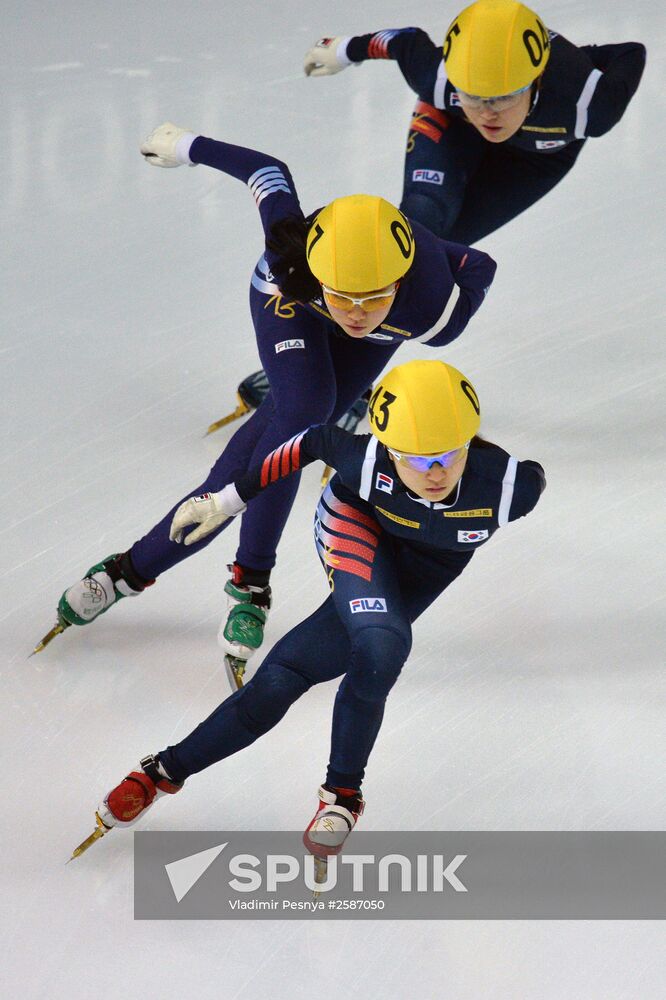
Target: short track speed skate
<point>129,800</point>
<point>250,393</point>
<point>336,817</point>
<point>105,583</point>
<point>242,631</point>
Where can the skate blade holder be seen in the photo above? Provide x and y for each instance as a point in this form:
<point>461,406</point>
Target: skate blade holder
<point>320,873</point>
<point>235,671</point>
<point>327,845</point>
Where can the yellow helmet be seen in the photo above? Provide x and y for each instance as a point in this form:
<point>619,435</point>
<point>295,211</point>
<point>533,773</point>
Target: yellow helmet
<point>359,243</point>
<point>424,407</point>
<point>495,47</point>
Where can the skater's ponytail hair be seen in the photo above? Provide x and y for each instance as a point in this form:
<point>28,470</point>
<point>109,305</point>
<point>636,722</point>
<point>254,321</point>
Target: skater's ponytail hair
<point>287,240</point>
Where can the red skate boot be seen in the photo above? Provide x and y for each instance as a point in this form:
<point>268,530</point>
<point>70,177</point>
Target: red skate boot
<point>129,800</point>
<point>136,793</point>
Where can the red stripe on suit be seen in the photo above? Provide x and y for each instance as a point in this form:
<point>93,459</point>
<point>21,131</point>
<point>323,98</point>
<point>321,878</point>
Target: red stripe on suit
<point>346,510</point>
<point>442,119</point>
<point>349,566</point>
<point>355,530</point>
<point>378,49</point>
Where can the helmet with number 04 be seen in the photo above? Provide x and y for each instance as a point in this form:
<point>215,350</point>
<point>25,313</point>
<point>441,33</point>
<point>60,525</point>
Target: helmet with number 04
<point>424,407</point>
<point>495,48</point>
<point>359,243</point>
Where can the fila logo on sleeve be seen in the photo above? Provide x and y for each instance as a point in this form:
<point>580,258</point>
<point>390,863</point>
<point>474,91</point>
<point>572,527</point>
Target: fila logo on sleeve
<point>384,483</point>
<point>360,604</point>
<point>472,536</point>
<point>289,345</point>
<point>429,176</point>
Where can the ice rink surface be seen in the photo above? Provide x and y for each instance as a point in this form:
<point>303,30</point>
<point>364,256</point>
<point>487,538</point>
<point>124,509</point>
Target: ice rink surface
<point>535,695</point>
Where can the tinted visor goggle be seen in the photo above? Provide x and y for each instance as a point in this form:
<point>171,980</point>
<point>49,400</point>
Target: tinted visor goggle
<point>421,463</point>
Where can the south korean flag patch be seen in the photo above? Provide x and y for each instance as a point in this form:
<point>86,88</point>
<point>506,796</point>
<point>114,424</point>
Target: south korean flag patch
<point>472,536</point>
<point>384,483</point>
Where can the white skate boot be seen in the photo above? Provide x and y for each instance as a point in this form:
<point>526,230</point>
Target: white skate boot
<point>336,817</point>
<point>104,584</point>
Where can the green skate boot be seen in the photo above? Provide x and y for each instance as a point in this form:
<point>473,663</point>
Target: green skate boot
<point>242,631</point>
<point>104,585</point>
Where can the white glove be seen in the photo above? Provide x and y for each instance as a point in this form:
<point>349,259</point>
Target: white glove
<point>209,511</point>
<point>168,146</point>
<point>327,56</point>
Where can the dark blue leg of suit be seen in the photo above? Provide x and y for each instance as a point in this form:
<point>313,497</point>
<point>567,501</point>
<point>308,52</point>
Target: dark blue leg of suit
<point>369,647</point>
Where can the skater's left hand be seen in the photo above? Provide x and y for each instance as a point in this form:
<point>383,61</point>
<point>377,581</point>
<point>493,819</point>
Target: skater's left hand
<point>209,511</point>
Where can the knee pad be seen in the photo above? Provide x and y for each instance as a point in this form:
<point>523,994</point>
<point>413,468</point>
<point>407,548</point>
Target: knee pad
<point>269,695</point>
<point>378,655</point>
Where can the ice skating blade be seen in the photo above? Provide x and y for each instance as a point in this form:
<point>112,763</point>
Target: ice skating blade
<point>56,630</point>
<point>97,834</point>
<point>239,412</point>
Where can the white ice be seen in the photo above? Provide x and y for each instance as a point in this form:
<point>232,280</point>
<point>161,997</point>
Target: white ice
<point>534,698</point>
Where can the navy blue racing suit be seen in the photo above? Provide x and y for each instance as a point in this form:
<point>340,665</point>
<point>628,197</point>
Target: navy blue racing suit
<point>387,555</point>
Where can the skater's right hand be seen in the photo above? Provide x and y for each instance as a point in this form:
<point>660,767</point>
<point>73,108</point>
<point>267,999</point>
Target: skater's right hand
<point>209,511</point>
<point>168,146</point>
<point>324,59</point>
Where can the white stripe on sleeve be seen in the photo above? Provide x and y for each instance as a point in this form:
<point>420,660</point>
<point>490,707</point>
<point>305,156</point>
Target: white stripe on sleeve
<point>368,468</point>
<point>261,281</point>
<point>267,181</point>
<point>443,319</point>
<point>439,96</point>
<point>507,491</point>
<point>264,286</point>
<point>583,102</point>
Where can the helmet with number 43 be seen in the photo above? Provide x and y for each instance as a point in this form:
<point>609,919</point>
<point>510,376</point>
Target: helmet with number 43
<point>495,48</point>
<point>424,408</point>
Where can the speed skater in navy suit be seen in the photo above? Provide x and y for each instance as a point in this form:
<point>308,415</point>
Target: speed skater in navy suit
<point>403,517</point>
<point>504,109</point>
